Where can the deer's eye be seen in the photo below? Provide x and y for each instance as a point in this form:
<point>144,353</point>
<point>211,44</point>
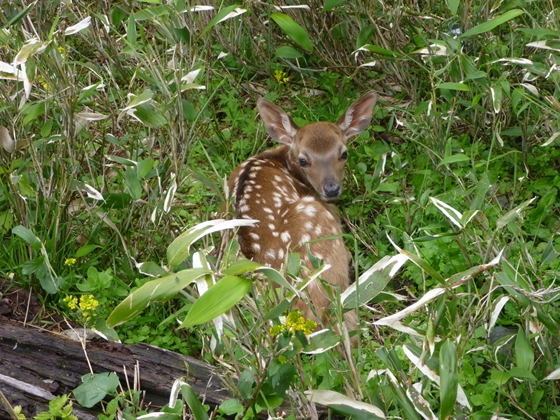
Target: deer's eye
<point>344,155</point>
<point>303,163</point>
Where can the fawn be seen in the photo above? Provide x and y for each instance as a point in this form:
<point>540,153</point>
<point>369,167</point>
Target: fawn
<point>290,191</point>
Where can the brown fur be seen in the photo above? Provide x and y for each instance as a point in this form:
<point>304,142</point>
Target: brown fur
<point>289,190</point>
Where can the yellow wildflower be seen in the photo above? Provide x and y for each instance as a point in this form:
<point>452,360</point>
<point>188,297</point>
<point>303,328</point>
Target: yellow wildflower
<point>276,330</point>
<point>71,301</point>
<point>70,261</point>
<point>281,77</point>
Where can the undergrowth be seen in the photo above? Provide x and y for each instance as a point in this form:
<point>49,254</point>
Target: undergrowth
<point>119,124</point>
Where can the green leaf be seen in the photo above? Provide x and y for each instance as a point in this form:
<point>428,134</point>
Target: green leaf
<point>218,299</point>
<point>321,341</point>
<point>482,188</point>
<point>524,356</point>
<point>194,403</point>
<point>500,377</point>
<point>459,157</point>
<point>19,16</point>
<point>522,373</point>
<point>241,267</point>
<point>180,247</point>
<point>449,378</point>
<point>513,214</point>
<point>245,384</point>
<point>85,250</point>
<point>131,34</point>
<point>281,376</point>
<point>132,183</point>
<point>160,289</point>
<point>378,50</point>
<point>231,407</point>
<point>219,16</point>
<point>454,86</point>
<point>149,115</point>
<point>331,4</point>
<point>28,236</point>
<point>293,30</point>
<point>95,387</point>
<point>453,6</point>
<point>364,36</point>
<point>32,112</point>
<point>491,24</point>
<point>344,405</point>
<point>288,52</point>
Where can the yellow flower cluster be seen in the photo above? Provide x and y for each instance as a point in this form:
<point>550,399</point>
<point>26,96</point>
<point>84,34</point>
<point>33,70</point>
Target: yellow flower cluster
<point>70,261</point>
<point>294,322</point>
<point>281,77</point>
<point>87,305</point>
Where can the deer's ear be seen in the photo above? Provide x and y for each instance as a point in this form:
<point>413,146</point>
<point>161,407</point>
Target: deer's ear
<point>277,123</point>
<point>358,117</point>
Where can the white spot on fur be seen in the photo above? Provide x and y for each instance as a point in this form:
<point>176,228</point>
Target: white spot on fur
<point>308,225</point>
<point>318,230</point>
<point>254,236</point>
<point>285,236</point>
<point>258,186</point>
<point>278,178</point>
<point>275,234</point>
<point>271,226</point>
<point>270,254</point>
<point>244,209</point>
<point>310,210</point>
<point>308,199</point>
<point>304,238</point>
<point>267,210</point>
<point>280,254</point>
<point>252,174</point>
<point>256,247</point>
<point>271,217</point>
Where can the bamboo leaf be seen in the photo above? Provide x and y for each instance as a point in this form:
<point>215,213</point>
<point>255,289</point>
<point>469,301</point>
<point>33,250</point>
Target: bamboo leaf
<point>491,24</point>
<point>293,30</point>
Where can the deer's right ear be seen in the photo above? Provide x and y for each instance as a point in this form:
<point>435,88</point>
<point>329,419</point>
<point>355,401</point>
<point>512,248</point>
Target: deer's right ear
<point>277,123</point>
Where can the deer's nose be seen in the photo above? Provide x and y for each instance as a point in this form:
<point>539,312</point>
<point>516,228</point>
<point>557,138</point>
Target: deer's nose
<point>331,189</point>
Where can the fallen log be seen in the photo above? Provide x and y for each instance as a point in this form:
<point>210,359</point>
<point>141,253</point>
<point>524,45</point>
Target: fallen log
<point>37,365</point>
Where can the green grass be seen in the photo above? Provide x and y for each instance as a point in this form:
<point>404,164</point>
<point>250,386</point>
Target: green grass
<point>119,147</point>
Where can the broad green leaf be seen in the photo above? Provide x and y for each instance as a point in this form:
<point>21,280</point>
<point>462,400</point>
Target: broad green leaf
<point>482,188</point>
<point>160,289</point>
<point>454,86</point>
<point>85,250</point>
<point>293,30</point>
<point>513,214</point>
<point>19,16</point>
<point>492,23</point>
<point>132,183</point>
<point>28,236</point>
<point>197,409</point>
<point>364,36</point>
<point>144,166</point>
<point>331,4</point>
<point>151,269</point>
<point>524,356</point>
<point>149,115</point>
<point>500,377</point>
<point>378,50</point>
<point>288,52</point>
<point>231,407</point>
<point>218,299</point>
<point>218,18</point>
<point>459,157</point>
<point>372,282</point>
<point>95,387</point>
<point>453,6</point>
<point>522,373</point>
<point>151,12</point>
<point>131,35</point>
<point>449,379</point>
<point>497,95</point>
<point>136,100</point>
<point>245,384</point>
<point>32,112</point>
<point>179,249</point>
<point>241,267</point>
<point>423,264</point>
<point>321,341</point>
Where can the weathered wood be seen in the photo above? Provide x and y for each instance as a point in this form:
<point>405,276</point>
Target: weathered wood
<point>35,364</point>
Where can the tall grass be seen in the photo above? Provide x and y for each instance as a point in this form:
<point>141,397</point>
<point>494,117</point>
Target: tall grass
<point>118,137</point>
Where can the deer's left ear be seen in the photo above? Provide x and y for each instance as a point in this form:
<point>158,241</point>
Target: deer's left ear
<point>358,117</point>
